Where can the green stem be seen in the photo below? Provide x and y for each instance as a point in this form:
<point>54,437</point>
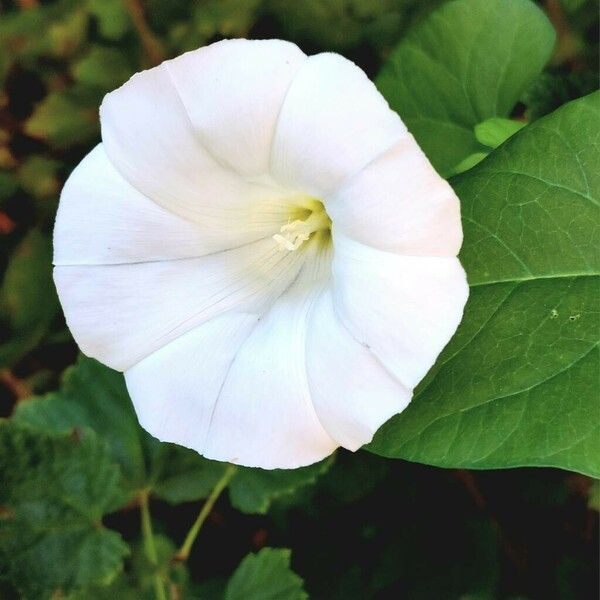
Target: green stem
<point>190,538</point>
<point>149,547</point>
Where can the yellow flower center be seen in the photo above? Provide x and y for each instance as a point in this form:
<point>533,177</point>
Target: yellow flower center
<point>294,233</point>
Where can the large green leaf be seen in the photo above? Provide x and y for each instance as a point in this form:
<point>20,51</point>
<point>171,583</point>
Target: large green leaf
<point>54,492</point>
<point>467,62</point>
<point>264,576</point>
<point>518,384</point>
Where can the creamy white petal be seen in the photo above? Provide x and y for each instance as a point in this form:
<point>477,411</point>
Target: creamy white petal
<point>351,390</point>
<point>174,390</point>
<point>233,91</point>
<point>332,123</point>
<point>149,138</point>
<point>404,308</point>
<point>400,204</point>
<point>121,313</point>
<point>264,416</point>
<point>102,219</point>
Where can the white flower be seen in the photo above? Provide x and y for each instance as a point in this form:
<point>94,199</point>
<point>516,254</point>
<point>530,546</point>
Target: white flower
<point>263,249</point>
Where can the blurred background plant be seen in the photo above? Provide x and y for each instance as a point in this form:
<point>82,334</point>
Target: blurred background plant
<point>358,526</point>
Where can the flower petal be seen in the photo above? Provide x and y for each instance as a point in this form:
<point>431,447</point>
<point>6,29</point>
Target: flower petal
<point>399,203</point>
<point>352,392</point>
<point>174,389</point>
<point>404,308</point>
<point>234,389</point>
<point>233,91</point>
<point>148,136</point>
<point>121,313</point>
<point>102,219</point>
<point>264,416</point>
<point>332,123</point>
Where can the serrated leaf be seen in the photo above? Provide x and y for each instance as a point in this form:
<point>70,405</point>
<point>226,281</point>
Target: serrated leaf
<point>95,397</point>
<point>253,490</point>
<point>265,576</point>
<point>462,65</point>
<point>54,493</point>
<point>28,302</point>
<point>518,384</point>
<point>138,580</point>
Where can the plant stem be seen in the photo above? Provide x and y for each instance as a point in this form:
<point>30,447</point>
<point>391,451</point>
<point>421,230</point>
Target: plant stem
<point>153,47</point>
<point>150,548</point>
<point>186,547</point>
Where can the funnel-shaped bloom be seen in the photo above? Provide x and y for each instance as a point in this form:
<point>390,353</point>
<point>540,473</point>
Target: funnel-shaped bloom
<point>263,249</point>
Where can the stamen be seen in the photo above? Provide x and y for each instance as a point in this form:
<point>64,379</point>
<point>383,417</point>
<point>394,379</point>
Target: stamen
<point>293,235</point>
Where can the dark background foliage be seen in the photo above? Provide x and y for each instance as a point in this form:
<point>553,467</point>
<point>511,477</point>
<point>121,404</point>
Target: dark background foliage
<point>369,527</point>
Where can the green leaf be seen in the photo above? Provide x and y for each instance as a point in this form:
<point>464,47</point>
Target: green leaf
<point>137,582</point>
<point>495,131</point>
<point>464,64</point>
<point>103,68</point>
<point>264,576</point>
<point>518,384</point>
<point>184,475</point>
<point>113,19</point>
<point>469,162</point>
<point>28,302</point>
<point>94,396</point>
<point>38,176</point>
<point>347,24</point>
<point>54,493</point>
<point>8,185</point>
<point>253,490</point>
<point>551,90</point>
<point>65,118</point>
<point>56,29</point>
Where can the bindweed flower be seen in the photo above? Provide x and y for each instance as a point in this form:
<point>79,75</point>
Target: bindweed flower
<point>263,249</point>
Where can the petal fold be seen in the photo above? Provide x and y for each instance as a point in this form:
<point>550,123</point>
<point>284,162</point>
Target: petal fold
<point>404,309</point>
<point>102,219</point>
<point>351,390</point>
<point>233,91</point>
<point>148,136</point>
<point>119,314</point>
<point>399,203</point>
<point>174,390</point>
<point>264,416</point>
<point>332,123</point>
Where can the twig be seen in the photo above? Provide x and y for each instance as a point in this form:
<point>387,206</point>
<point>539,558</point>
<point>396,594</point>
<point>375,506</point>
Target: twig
<point>18,387</point>
<point>153,47</point>
<point>27,4</point>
